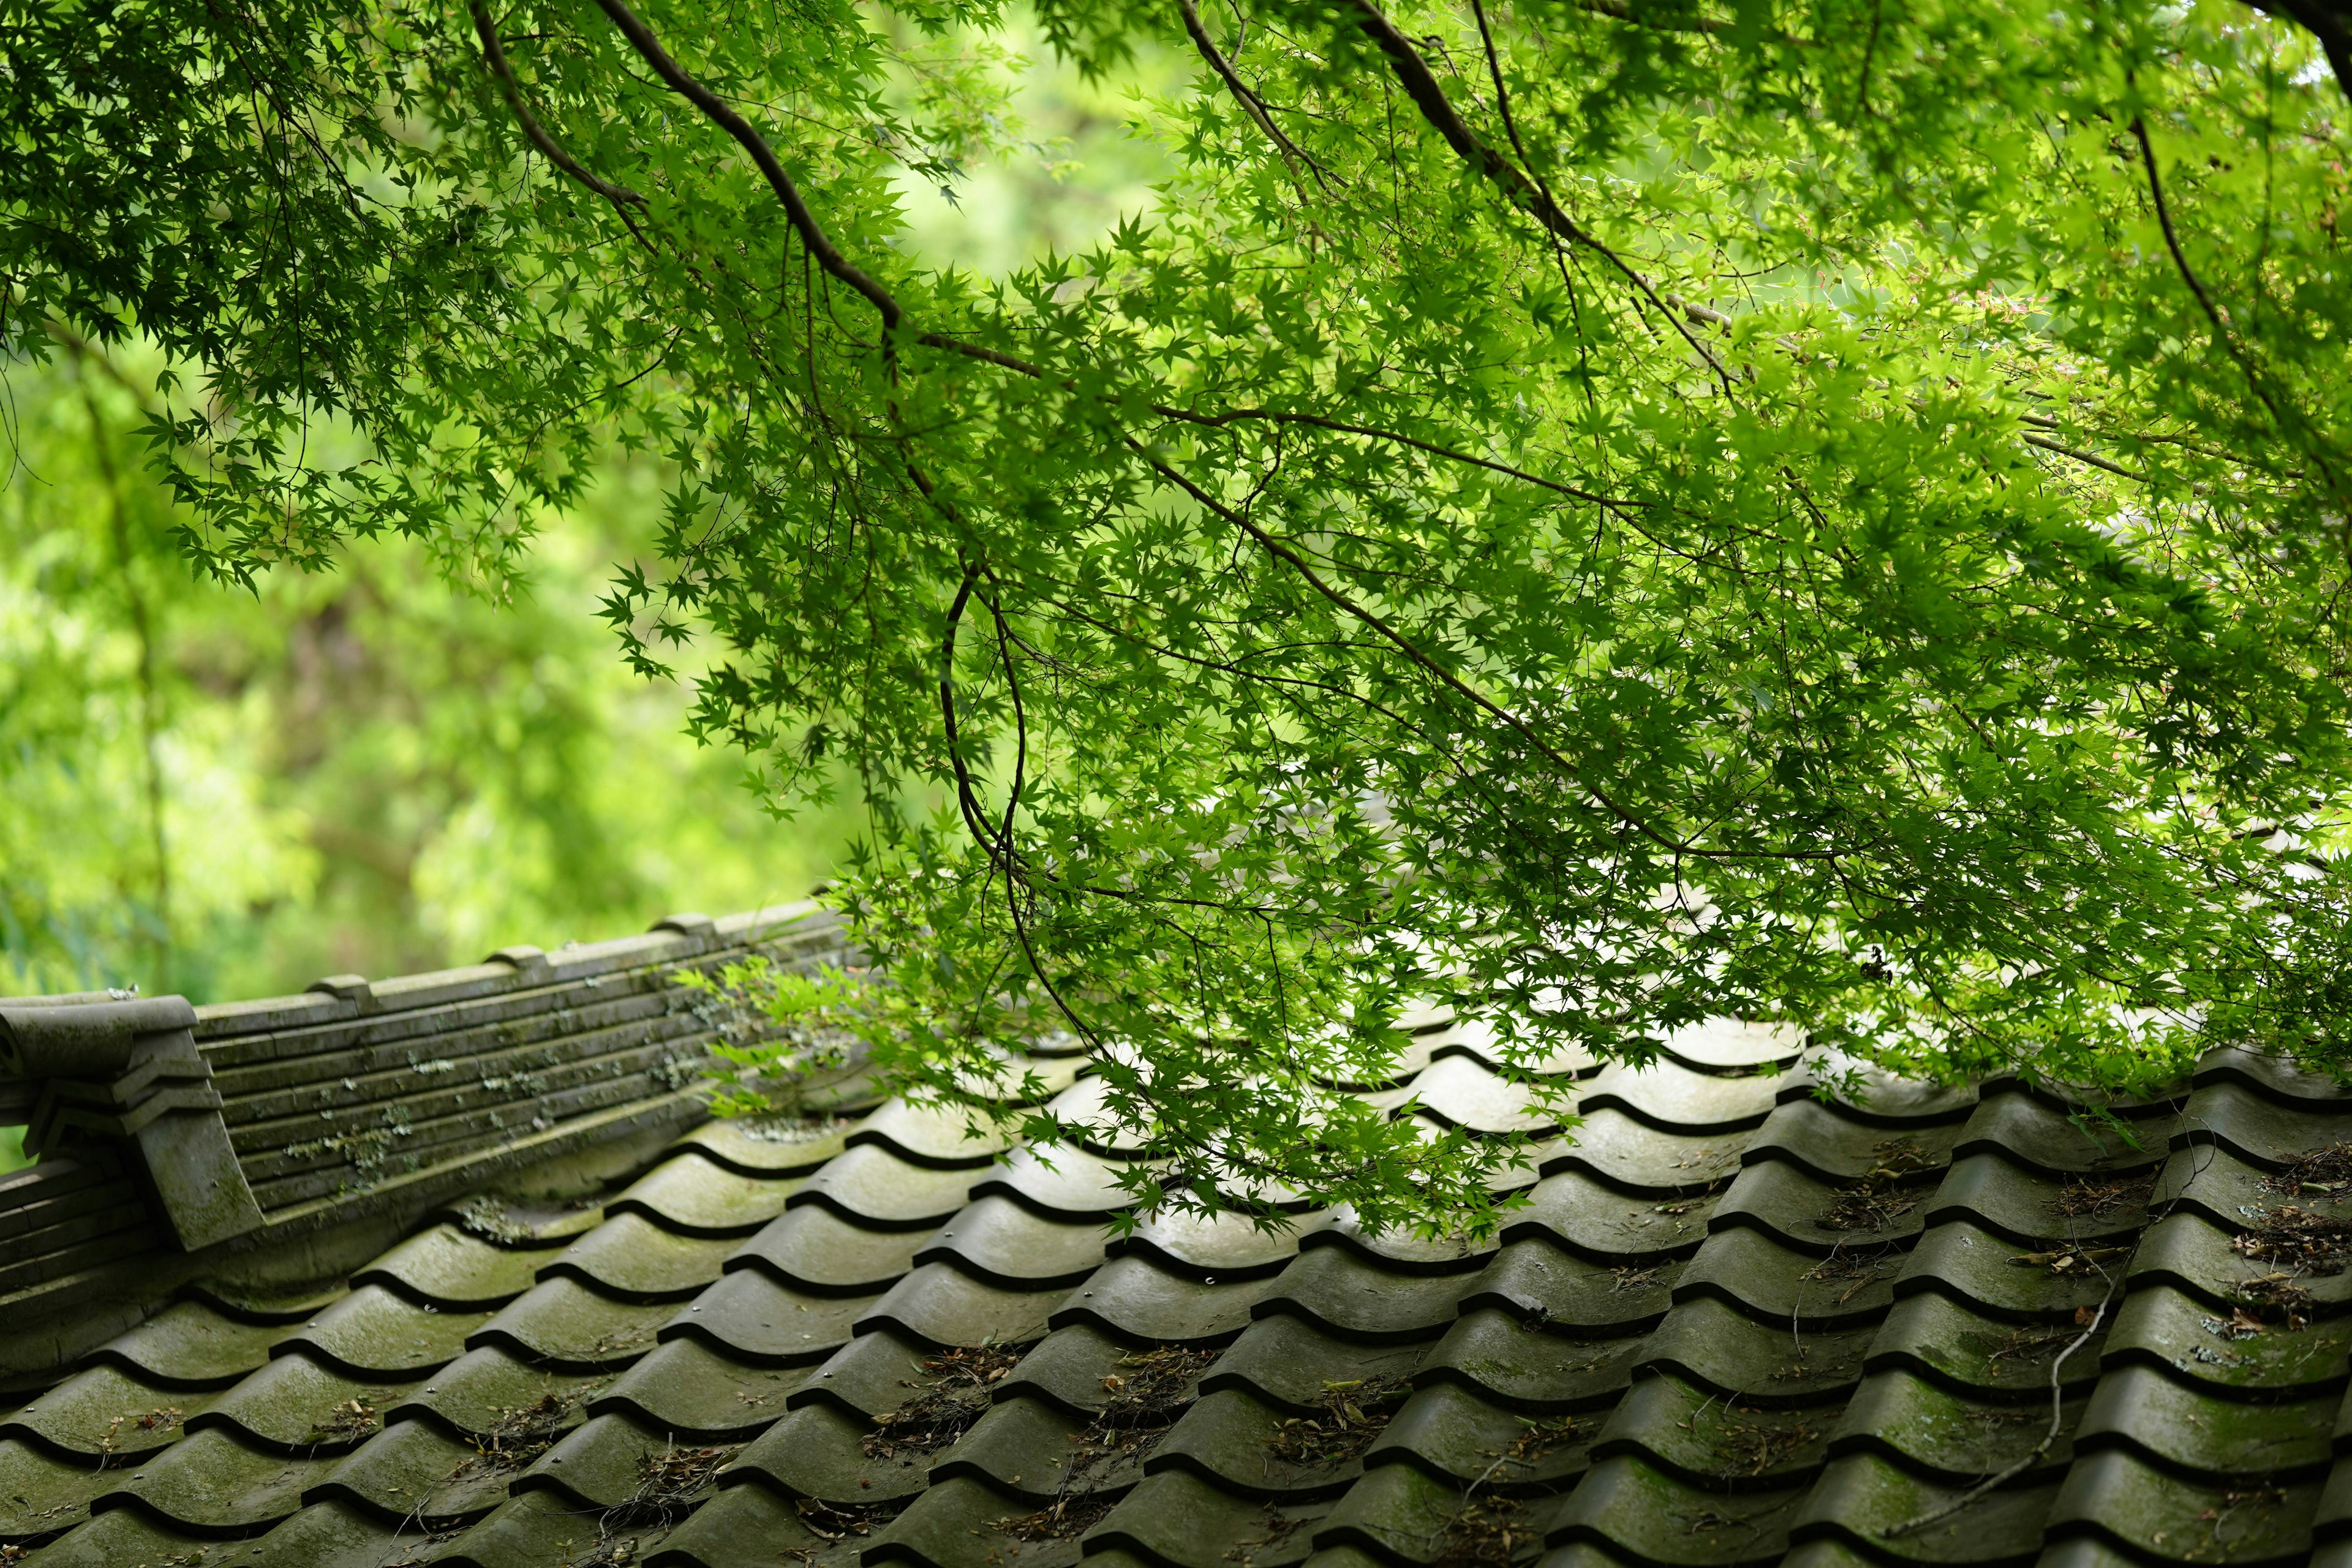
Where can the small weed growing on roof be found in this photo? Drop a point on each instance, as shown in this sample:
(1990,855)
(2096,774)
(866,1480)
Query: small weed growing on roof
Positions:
(348,1422)
(522,1433)
(165,1420)
(2072,1261)
(1628,1278)
(1486,1532)
(1148,1392)
(2323,1170)
(949,1400)
(1746,1446)
(2102,1199)
(485,1216)
(1881,1198)
(1064,1518)
(1278,1527)
(2277,1299)
(666,1481)
(1352,1415)
(834,1525)
(1857,1270)
(2310,1243)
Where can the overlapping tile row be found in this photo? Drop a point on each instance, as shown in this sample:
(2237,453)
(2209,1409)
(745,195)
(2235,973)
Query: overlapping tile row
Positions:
(358,1099)
(1733,1322)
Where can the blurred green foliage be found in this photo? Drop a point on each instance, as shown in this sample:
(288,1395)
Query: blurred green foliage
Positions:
(371,770)
(227,795)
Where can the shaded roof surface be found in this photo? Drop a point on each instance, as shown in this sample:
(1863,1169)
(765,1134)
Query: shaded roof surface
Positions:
(1734,1324)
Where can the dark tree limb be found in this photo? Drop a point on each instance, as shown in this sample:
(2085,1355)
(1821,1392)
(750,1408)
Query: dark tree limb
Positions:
(803,221)
(495,54)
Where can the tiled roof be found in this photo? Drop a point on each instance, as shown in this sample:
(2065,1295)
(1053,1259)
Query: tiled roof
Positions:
(1736,1324)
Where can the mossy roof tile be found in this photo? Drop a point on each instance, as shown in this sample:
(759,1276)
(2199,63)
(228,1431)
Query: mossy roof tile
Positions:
(1733,1323)
(691,1194)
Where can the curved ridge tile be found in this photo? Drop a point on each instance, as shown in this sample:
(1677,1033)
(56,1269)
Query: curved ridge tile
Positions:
(125,1535)
(2257,1130)
(1291,1362)
(929,1135)
(1947,1437)
(2165,1328)
(816,1250)
(1397,1517)
(294,1406)
(1751,1271)
(1870,1093)
(1673,1097)
(1515,1364)
(602,1463)
(743,1527)
(1987,1190)
(2205,1436)
(190,1345)
(1339,1290)
(562,1325)
(2229,1190)
(943,1306)
(1175,1520)
(1234,1442)
(1960,1259)
(1625,1506)
(372,1333)
(42,1495)
(1827,1142)
(1741,1046)
(1978,1355)
(1395,1251)
(1543,1283)
(959,1522)
(866,1379)
(1462,1091)
(2273,1077)
(1862,1498)
(1058,1180)
(1450,1434)
(414,1471)
(2192,1253)
(873,1188)
(483,1390)
(1142,1304)
(107,1413)
(452,1270)
(999,1243)
(747,1316)
(331,1535)
(2026,1132)
(1797,1210)
(213,1485)
(1027,1449)
(1626,1154)
(815,1452)
(1711,1441)
(692,1195)
(1225,1245)
(686,1388)
(632,1257)
(1601,1221)
(1728,1354)
(767,1148)
(2148,1513)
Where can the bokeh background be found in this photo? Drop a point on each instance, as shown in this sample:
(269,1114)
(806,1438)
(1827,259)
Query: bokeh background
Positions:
(228,794)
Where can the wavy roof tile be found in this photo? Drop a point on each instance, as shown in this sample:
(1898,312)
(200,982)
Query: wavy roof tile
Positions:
(1734,1323)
